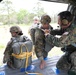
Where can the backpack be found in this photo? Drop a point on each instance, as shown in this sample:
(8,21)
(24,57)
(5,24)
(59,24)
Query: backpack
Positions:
(22,52)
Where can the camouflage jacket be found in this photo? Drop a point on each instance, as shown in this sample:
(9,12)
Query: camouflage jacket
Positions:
(32,31)
(40,43)
(66,38)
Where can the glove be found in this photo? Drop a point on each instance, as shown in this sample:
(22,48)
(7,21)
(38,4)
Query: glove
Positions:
(64,49)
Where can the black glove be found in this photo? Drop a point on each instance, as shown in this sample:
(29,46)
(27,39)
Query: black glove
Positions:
(69,48)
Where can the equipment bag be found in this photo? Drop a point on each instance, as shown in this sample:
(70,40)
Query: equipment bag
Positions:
(22,53)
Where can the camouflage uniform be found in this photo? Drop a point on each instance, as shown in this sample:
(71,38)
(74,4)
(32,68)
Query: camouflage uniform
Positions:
(66,40)
(41,46)
(72,71)
(32,31)
(8,50)
(64,62)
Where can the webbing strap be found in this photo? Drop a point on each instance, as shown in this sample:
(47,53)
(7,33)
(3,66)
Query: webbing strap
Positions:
(22,55)
(33,73)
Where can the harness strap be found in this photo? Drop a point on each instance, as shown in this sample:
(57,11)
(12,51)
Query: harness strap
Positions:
(33,73)
(22,55)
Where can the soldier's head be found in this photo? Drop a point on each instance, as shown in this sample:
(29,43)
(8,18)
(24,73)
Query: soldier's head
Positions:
(65,19)
(45,20)
(15,31)
(36,20)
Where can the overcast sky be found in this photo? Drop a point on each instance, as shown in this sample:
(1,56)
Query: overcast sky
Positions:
(49,7)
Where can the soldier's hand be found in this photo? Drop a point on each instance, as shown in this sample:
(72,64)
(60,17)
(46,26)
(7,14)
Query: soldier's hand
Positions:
(46,31)
(42,64)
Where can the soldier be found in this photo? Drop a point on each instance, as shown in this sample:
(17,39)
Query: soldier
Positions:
(33,27)
(64,20)
(41,46)
(66,41)
(16,34)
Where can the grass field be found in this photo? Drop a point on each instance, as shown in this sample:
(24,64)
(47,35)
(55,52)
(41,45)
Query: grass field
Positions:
(5,37)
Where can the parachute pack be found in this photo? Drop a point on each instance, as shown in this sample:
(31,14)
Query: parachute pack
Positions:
(22,52)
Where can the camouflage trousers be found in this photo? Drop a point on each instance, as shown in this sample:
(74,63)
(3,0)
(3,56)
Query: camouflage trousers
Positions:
(43,53)
(73,62)
(63,63)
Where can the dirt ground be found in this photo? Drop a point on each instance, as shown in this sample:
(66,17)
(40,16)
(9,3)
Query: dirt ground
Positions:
(5,37)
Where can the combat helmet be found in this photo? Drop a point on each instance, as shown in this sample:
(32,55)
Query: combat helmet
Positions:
(45,19)
(15,29)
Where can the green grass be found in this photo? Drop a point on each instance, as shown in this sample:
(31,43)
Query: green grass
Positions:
(2,46)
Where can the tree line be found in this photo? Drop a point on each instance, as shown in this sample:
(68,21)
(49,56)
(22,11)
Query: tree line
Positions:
(8,14)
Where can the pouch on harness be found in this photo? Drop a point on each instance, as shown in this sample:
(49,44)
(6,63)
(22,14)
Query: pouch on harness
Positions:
(22,52)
